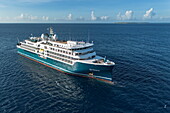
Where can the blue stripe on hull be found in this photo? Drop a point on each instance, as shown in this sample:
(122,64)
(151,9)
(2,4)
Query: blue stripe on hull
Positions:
(78,68)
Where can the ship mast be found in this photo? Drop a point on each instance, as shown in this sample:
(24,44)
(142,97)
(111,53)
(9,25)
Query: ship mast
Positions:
(52,35)
(51,31)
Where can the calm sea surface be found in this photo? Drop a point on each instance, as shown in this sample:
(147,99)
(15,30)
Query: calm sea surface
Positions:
(141,74)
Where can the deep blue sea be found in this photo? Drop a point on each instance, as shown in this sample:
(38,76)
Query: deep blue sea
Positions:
(141,75)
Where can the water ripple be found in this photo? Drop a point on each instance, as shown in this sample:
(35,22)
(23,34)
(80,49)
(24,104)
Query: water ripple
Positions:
(141,73)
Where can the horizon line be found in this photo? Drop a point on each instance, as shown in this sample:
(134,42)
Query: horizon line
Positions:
(85,23)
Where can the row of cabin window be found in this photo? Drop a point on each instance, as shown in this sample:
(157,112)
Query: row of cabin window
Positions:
(69,56)
(60,55)
(88,57)
(28,49)
(28,46)
(70,53)
(74,49)
(84,53)
(80,48)
(30,43)
(68,61)
(58,45)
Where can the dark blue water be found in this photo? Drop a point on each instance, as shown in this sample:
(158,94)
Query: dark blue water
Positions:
(141,74)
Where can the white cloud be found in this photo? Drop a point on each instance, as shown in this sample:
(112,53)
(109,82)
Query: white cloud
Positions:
(33,17)
(93,17)
(69,17)
(149,14)
(164,18)
(104,17)
(22,17)
(80,18)
(5,18)
(27,17)
(46,18)
(127,16)
(119,16)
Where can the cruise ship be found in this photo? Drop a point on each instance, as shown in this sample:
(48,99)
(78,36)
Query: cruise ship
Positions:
(70,57)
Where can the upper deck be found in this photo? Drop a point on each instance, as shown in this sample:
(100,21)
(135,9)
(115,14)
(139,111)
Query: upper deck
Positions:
(71,45)
(53,41)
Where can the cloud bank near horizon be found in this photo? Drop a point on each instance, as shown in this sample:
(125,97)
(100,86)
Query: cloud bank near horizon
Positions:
(127,16)
(83,11)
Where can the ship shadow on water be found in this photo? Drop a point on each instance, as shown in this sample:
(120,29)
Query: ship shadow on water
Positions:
(51,85)
(62,90)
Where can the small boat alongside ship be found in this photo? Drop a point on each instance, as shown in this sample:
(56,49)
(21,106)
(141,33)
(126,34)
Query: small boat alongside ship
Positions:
(71,57)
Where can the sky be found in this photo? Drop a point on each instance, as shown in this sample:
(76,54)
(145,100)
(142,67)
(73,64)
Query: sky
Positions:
(84,11)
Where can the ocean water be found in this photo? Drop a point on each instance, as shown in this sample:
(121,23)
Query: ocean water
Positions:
(141,75)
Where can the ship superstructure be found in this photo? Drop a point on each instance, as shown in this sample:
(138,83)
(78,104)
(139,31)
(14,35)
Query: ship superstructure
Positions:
(72,57)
